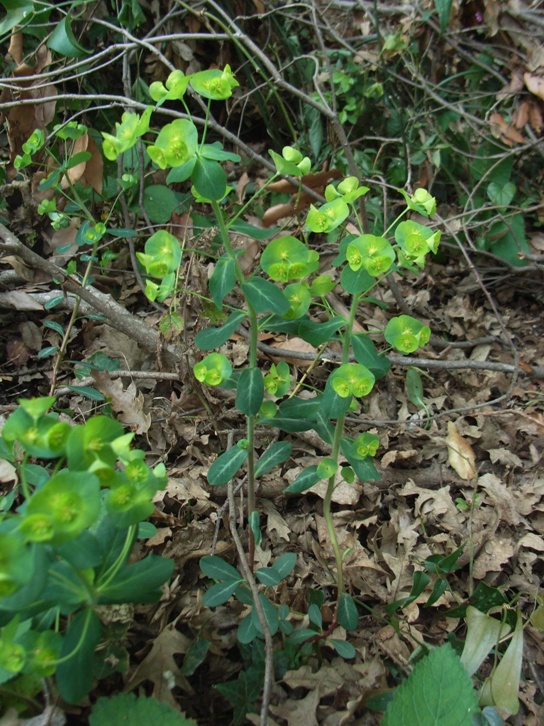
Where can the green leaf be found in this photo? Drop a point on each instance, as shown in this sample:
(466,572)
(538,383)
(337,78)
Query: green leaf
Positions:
(243,227)
(47,352)
(268,576)
(265,296)
(211,338)
(138,583)
(159,203)
(356,282)
(366,354)
(439,588)
(88,392)
(17,11)
(226,465)
(247,632)
(209,179)
(63,41)
(53,325)
(499,195)
(76,159)
(223,279)
(305,480)
(216,152)
(254,522)
(273,456)
(347,614)
(285,564)
(74,677)
(250,391)
(242,694)
(126,707)
(270,615)
(216,568)
(194,656)
(318,333)
(220,593)
(444,8)
(438,691)
(342,647)
(414,387)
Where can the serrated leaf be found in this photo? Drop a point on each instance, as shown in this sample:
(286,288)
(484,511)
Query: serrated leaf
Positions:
(217,569)
(264,296)
(250,391)
(273,456)
(226,465)
(211,338)
(438,691)
(135,710)
(347,614)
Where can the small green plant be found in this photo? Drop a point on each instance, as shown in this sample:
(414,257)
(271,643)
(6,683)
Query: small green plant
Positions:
(81,501)
(280,296)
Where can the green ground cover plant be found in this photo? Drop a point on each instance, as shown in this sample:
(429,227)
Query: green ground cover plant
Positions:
(79,487)
(66,534)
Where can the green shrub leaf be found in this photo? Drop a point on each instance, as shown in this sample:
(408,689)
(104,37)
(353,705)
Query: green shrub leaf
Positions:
(439,691)
(213,337)
(347,614)
(136,710)
(272,457)
(265,296)
(250,393)
(226,465)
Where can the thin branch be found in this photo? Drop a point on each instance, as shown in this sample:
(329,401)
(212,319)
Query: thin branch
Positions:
(248,575)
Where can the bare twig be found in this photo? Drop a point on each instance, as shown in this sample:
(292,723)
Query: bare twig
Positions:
(247,573)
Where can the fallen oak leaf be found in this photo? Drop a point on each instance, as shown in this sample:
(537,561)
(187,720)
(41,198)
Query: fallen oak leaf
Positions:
(460,454)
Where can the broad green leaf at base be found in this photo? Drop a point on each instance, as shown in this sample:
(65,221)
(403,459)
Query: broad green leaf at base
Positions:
(439,692)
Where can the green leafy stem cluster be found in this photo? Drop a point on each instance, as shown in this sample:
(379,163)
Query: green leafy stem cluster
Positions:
(278,297)
(66,533)
(287,293)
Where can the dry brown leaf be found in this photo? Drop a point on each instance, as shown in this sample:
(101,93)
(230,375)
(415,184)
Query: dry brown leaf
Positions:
(160,668)
(534,84)
(129,403)
(460,454)
(298,345)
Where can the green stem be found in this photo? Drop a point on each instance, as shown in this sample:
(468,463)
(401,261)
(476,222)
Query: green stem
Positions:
(338,433)
(253,341)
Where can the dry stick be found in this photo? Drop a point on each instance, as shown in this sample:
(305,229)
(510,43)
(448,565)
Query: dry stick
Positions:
(116,314)
(119,318)
(246,571)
